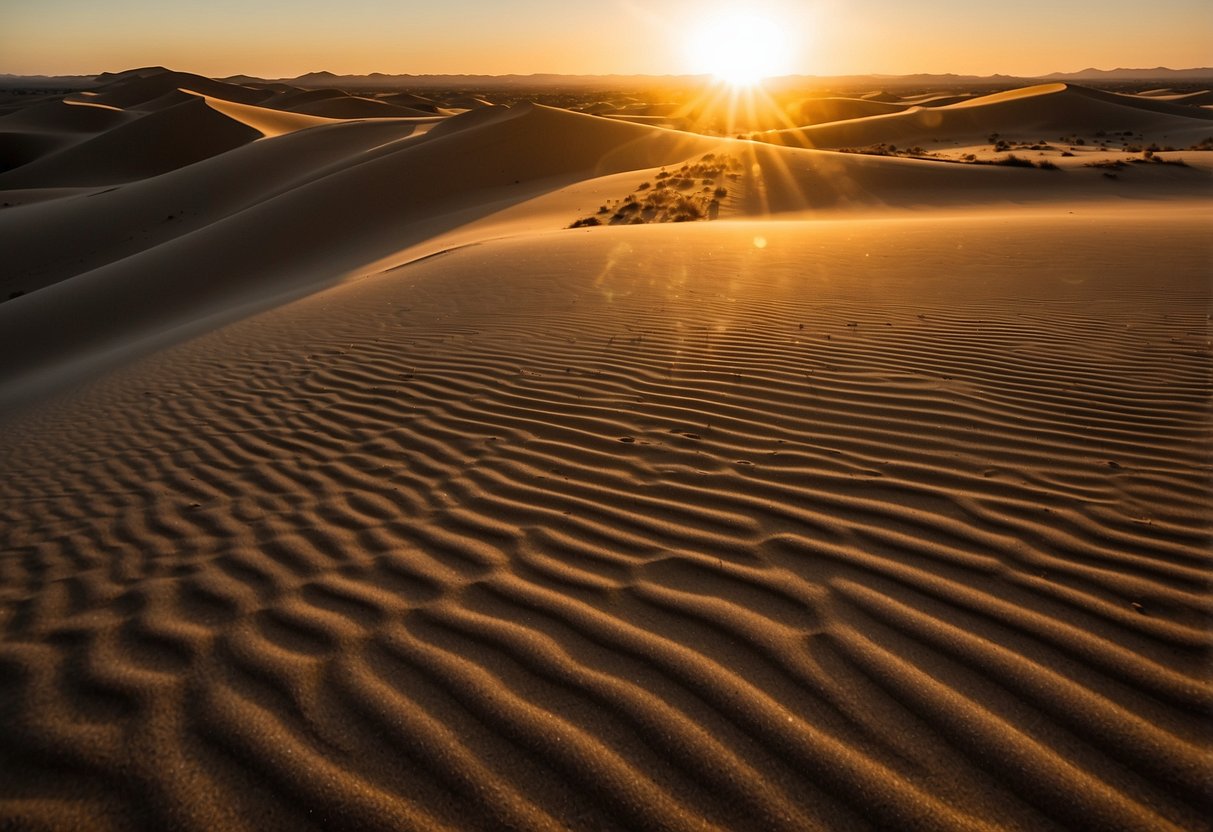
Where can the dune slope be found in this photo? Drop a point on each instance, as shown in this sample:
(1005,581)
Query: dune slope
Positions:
(317,232)
(756,525)
(157,142)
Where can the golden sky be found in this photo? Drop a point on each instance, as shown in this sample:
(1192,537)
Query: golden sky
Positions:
(284,38)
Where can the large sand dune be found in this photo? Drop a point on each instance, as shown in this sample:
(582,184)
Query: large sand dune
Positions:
(1043,112)
(347,487)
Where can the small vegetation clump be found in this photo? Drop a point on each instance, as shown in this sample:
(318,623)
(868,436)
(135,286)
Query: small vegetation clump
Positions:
(883,149)
(692,192)
(1012,161)
(1111,164)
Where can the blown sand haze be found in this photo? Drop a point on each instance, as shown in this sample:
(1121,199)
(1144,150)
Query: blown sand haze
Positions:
(346,486)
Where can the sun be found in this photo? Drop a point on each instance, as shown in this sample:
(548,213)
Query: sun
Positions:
(740,49)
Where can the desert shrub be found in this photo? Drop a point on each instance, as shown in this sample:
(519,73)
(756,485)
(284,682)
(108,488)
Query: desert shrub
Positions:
(602,209)
(1045,164)
(1066,153)
(643,186)
(720,193)
(663,175)
(586,223)
(1013,161)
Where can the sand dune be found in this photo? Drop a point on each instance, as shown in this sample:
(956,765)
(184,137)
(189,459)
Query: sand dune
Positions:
(155,143)
(66,116)
(346,486)
(821,110)
(377,204)
(289,98)
(140,91)
(520,536)
(268,122)
(42,129)
(1043,111)
(148,122)
(357,107)
(523,167)
(411,100)
(116,223)
(1199,98)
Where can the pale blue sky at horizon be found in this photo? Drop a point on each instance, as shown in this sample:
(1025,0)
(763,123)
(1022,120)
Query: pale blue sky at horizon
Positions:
(284,38)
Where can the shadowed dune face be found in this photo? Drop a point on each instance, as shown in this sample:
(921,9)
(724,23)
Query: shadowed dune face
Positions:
(149,122)
(660,528)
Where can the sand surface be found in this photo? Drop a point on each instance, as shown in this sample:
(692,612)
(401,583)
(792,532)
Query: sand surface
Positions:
(363,493)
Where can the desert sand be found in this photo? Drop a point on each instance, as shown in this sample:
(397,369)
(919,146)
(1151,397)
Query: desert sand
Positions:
(347,485)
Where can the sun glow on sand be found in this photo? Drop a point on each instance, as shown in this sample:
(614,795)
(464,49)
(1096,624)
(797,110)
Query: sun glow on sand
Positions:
(739,48)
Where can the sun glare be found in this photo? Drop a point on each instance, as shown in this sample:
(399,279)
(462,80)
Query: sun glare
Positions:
(739,49)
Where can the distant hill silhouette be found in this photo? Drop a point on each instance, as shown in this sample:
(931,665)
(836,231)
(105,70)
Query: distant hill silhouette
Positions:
(1159,73)
(385,82)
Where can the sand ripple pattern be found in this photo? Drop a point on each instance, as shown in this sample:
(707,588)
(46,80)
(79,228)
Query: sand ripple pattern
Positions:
(709,536)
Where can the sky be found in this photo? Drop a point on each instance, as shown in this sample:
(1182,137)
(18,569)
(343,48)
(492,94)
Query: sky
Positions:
(285,38)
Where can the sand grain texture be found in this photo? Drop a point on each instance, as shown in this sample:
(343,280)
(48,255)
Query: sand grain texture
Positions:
(793,536)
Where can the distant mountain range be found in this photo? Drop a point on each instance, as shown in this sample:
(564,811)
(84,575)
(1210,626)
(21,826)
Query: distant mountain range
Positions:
(381,81)
(1158,73)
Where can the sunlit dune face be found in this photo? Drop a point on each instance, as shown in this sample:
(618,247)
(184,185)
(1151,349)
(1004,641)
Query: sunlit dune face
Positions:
(740,49)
